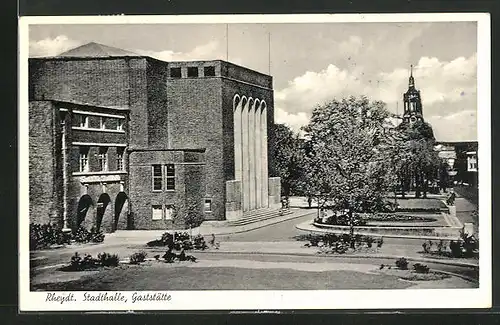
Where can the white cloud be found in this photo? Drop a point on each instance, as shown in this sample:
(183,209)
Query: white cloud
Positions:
(463,126)
(447,87)
(294,121)
(52,46)
(201,52)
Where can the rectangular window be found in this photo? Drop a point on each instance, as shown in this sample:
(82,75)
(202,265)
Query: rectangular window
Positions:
(170,177)
(208,205)
(192,72)
(102,123)
(84,159)
(175,72)
(119,125)
(82,120)
(102,159)
(157,212)
(119,159)
(209,71)
(157,178)
(169,209)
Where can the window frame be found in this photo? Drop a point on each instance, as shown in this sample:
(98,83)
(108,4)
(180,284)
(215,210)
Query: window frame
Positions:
(169,177)
(156,207)
(175,69)
(102,156)
(83,156)
(119,125)
(209,200)
(154,177)
(211,70)
(193,72)
(120,162)
(102,122)
(169,207)
(83,120)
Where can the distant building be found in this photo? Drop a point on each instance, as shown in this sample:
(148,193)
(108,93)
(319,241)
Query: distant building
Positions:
(465,162)
(123,141)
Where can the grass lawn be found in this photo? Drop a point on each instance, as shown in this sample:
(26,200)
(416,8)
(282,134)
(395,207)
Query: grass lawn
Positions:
(414,203)
(168,277)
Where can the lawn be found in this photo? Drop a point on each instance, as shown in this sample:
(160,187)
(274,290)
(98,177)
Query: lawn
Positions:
(168,277)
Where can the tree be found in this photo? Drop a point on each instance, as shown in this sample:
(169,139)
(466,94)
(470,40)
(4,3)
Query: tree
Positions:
(348,146)
(422,162)
(289,158)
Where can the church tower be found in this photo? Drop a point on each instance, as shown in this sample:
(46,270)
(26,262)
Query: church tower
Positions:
(412,102)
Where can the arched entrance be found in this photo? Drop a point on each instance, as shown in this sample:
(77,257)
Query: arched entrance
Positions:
(85,212)
(121,212)
(103,214)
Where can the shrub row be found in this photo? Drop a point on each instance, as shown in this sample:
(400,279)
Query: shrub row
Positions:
(466,247)
(402,264)
(87,262)
(45,235)
(179,240)
(341,243)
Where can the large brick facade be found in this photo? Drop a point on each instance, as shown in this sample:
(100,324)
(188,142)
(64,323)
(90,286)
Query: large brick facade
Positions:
(178,114)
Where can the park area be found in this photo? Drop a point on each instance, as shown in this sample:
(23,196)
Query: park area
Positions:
(273,256)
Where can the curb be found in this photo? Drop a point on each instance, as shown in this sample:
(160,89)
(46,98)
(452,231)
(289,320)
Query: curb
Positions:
(416,259)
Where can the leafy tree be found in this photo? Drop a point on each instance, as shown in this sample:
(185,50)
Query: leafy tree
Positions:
(348,146)
(289,160)
(187,214)
(422,162)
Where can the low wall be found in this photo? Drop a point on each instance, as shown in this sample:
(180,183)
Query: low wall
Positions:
(449,233)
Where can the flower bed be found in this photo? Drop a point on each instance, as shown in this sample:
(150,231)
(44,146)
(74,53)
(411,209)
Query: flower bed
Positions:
(394,217)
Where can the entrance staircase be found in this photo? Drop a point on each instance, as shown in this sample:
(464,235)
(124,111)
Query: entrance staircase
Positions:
(258,215)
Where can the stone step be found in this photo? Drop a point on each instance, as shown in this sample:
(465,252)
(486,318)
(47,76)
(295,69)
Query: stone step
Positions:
(248,219)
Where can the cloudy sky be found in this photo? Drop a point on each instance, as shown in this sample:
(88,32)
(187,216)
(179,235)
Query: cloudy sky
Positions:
(312,63)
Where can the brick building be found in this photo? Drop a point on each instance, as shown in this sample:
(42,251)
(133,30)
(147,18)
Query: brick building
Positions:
(123,141)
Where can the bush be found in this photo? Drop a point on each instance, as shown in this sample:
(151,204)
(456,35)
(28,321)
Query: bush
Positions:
(420,268)
(82,235)
(178,241)
(45,235)
(369,241)
(402,263)
(87,262)
(138,258)
(199,242)
(106,259)
(380,242)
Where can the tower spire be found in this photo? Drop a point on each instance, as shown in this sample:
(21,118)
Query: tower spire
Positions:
(411,81)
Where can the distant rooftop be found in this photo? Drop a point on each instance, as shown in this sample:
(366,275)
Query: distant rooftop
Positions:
(96,50)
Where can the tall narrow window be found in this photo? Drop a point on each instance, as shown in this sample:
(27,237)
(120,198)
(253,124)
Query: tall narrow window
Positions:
(82,120)
(169,210)
(157,212)
(119,125)
(119,159)
(157,178)
(208,205)
(170,177)
(102,159)
(102,123)
(84,159)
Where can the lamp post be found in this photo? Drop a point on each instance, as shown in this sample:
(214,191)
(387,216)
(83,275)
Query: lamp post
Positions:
(66,227)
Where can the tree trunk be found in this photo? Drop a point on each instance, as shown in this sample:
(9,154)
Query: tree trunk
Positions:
(425,181)
(351,229)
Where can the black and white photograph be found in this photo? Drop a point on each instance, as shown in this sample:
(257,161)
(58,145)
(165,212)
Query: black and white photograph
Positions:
(254,162)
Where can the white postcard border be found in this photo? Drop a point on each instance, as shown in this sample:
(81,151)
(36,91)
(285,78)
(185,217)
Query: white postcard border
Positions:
(273,300)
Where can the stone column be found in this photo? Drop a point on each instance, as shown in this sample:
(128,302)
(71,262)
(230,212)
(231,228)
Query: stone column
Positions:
(265,177)
(237,142)
(251,154)
(258,155)
(245,156)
